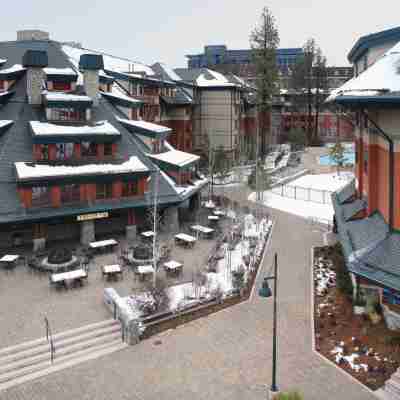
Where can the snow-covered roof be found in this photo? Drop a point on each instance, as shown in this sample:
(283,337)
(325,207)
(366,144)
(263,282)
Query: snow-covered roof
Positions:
(13,69)
(176,157)
(29,171)
(382,77)
(103,74)
(118,94)
(2,61)
(57,96)
(148,126)
(170,72)
(60,71)
(46,128)
(5,122)
(217,80)
(113,63)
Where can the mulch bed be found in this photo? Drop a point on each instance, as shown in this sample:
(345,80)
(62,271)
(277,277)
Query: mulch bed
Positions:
(353,342)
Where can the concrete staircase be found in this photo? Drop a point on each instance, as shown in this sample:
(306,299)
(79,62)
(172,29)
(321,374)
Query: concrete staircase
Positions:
(31,360)
(391,390)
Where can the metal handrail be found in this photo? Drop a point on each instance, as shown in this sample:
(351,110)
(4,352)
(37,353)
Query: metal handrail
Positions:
(49,338)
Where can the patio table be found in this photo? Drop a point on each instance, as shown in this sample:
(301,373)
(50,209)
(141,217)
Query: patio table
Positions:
(9,260)
(103,244)
(185,239)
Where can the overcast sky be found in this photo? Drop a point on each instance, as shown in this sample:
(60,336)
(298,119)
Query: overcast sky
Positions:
(150,31)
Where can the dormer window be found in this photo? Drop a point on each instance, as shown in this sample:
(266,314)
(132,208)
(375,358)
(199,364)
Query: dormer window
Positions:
(62,86)
(66,114)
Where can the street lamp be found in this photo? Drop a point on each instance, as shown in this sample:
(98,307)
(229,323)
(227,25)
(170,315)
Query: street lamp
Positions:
(265,291)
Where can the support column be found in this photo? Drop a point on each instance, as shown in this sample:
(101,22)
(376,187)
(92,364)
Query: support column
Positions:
(171,219)
(131,227)
(87,232)
(39,237)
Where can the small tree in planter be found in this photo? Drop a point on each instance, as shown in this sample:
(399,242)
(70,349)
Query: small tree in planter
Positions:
(238,281)
(159,293)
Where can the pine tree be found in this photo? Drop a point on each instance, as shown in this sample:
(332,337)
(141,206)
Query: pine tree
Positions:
(264,40)
(336,153)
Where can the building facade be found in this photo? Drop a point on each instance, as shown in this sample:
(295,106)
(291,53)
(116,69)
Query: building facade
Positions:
(366,211)
(78,155)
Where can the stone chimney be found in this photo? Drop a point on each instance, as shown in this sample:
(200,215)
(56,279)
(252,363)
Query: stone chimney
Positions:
(34,61)
(32,34)
(90,65)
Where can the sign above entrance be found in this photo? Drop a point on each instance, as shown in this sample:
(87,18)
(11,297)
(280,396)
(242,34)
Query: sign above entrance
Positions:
(88,217)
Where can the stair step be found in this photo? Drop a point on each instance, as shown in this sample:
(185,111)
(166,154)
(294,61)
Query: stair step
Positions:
(60,335)
(392,389)
(8,376)
(65,363)
(30,361)
(60,343)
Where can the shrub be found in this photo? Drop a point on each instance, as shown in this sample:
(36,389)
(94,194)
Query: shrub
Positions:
(343,280)
(294,395)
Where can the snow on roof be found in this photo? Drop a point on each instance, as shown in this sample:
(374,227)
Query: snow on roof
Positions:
(27,171)
(116,91)
(59,71)
(149,126)
(218,80)
(4,93)
(14,68)
(5,122)
(57,96)
(176,157)
(381,77)
(100,128)
(102,73)
(170,72)
(113,63)
(3,60)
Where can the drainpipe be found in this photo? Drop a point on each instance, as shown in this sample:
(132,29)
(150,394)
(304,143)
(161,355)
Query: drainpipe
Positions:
(391,168)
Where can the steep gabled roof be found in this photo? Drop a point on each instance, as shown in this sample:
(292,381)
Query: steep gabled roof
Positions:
(373,39)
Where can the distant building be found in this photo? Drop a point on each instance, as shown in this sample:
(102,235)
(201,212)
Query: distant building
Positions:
(240,60)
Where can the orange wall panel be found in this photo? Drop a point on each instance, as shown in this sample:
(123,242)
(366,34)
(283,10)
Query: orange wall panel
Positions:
(55,194)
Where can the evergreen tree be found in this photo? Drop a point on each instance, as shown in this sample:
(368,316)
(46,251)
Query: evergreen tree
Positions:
(264,40)
(336,153)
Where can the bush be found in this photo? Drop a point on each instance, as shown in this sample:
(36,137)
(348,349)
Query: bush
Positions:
(289,396)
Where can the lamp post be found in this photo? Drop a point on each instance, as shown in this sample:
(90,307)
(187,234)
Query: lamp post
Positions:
(265,291)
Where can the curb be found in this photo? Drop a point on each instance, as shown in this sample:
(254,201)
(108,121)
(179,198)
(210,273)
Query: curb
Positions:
(266,247)
(322,357)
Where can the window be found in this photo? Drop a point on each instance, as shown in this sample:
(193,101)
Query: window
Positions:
(88,149)
(103,191)
(108,149)
(64,151)
(1,85)
(67,114)
(41,196)
(62,86)
(70,193)
(366,161)
(129,189)
(45,151)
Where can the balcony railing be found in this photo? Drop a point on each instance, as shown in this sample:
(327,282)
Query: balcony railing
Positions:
(84,160)
(148,99)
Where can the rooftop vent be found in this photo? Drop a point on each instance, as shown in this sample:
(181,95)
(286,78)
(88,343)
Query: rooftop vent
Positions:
(91,62)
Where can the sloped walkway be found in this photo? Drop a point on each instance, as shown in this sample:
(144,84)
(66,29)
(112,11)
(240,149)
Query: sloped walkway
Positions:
(224,356)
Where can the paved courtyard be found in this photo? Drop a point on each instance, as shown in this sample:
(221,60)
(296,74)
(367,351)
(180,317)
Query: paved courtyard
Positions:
(224,356)
(26,296)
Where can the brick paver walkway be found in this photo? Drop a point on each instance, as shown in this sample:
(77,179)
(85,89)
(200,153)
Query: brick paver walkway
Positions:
(224,356)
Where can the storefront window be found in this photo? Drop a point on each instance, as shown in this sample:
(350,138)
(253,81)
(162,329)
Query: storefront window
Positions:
(129,189)
(108,149)
(64,151)
(67,114)
(103,191)
(41,196)
(88,149)
(70,193)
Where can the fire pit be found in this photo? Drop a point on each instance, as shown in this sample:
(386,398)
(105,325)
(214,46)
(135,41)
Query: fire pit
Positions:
(60,259)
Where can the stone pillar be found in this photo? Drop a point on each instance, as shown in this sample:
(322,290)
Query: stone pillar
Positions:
(87,232)
(131,233)
(39,244)
(171,220)
(34,79)
(91,84)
